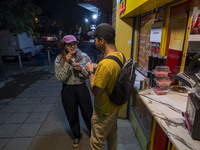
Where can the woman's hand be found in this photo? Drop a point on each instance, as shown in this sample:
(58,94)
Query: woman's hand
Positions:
(76,66)
(68,56)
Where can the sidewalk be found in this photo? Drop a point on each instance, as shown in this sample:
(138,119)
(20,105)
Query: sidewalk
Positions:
(35,120)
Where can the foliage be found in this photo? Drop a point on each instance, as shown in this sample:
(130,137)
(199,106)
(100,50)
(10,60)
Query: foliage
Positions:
(18,15)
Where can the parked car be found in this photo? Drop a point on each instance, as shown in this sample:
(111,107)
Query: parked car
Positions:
(13,45)
(52,46)
(51,37)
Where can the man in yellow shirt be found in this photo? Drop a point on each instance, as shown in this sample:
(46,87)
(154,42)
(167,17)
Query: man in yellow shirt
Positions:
(104,119)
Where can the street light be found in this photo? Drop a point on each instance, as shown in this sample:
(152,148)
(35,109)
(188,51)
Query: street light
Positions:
(36,20)
(94,16)
(86,20)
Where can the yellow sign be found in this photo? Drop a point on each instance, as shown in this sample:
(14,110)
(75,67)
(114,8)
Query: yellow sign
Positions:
(178,32)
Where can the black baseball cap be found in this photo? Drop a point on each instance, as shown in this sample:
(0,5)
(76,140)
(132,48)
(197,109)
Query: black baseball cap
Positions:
(104,30)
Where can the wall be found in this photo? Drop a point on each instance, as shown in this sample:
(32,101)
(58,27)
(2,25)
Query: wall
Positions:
(114,13)
(124,31)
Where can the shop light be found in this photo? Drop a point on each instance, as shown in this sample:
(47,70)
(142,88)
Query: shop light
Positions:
(94,16)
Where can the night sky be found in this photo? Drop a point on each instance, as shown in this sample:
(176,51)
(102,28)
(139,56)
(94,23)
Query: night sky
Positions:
(66,11)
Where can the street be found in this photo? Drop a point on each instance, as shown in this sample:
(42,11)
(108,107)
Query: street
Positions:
(32,116)
(18,79)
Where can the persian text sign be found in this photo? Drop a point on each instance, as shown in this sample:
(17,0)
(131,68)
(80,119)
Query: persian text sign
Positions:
(122,7)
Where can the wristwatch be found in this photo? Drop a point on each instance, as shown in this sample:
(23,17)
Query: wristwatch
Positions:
(91,72)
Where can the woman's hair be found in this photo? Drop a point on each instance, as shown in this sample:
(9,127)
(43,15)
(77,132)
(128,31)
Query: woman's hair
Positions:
(63,53)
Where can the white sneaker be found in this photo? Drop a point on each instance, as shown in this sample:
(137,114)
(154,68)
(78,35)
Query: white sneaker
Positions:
(76,142)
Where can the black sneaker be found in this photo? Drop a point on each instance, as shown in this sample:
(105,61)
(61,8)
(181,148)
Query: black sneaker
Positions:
(76,142)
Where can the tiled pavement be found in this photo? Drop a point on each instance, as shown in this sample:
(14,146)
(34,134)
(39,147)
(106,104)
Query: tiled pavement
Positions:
(35,120)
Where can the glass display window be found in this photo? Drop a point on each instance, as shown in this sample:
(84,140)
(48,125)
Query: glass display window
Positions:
(145,45)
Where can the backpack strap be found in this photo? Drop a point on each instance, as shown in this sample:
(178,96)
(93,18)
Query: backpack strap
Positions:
(124,58)
(117,59)
(107,92)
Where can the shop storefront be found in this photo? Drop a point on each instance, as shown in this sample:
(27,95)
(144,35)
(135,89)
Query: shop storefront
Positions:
(160,33)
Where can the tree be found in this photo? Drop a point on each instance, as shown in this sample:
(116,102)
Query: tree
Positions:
(18,15)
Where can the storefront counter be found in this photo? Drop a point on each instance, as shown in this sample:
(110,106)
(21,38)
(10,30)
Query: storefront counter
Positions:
(167,111)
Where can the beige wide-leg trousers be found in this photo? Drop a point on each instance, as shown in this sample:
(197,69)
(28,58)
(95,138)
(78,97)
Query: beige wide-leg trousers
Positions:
(104,128)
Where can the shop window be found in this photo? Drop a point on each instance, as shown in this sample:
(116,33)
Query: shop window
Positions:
(147,47)
(192,61)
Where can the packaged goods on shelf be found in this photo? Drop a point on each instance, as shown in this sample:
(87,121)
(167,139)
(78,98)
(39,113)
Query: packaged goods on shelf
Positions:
(161,71)
(162,80)
(161,90)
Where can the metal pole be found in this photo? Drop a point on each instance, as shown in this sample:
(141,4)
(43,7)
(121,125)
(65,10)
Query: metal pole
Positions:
(48,55)
(2,70)
(20,62)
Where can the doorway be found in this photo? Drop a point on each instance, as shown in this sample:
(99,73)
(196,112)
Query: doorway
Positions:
(176,37)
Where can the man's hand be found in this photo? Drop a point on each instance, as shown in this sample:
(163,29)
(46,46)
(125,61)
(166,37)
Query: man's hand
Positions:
(89,67)
(94,66)
(95,90)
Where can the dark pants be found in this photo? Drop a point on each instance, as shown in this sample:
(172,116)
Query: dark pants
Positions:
(72,97)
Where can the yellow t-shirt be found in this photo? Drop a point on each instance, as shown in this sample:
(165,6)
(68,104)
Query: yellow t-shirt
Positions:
(106,76)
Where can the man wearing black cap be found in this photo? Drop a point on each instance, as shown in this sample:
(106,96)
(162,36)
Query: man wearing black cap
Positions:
(104,119)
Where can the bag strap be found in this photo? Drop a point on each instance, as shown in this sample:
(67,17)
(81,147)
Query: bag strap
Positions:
(120,64)
(107,92)
(117,59)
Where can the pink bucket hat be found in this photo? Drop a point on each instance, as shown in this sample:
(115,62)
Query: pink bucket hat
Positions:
(69,39)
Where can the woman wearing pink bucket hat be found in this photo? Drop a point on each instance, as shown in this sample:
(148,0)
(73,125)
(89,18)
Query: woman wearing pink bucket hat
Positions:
(70,70)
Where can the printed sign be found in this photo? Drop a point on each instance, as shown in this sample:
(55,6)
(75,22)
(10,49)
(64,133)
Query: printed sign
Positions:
(178,32)
(122,7)
(156,35)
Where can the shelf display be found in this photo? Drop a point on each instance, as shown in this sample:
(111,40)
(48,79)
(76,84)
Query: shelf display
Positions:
(161,90)
(147,47)
(162,80)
